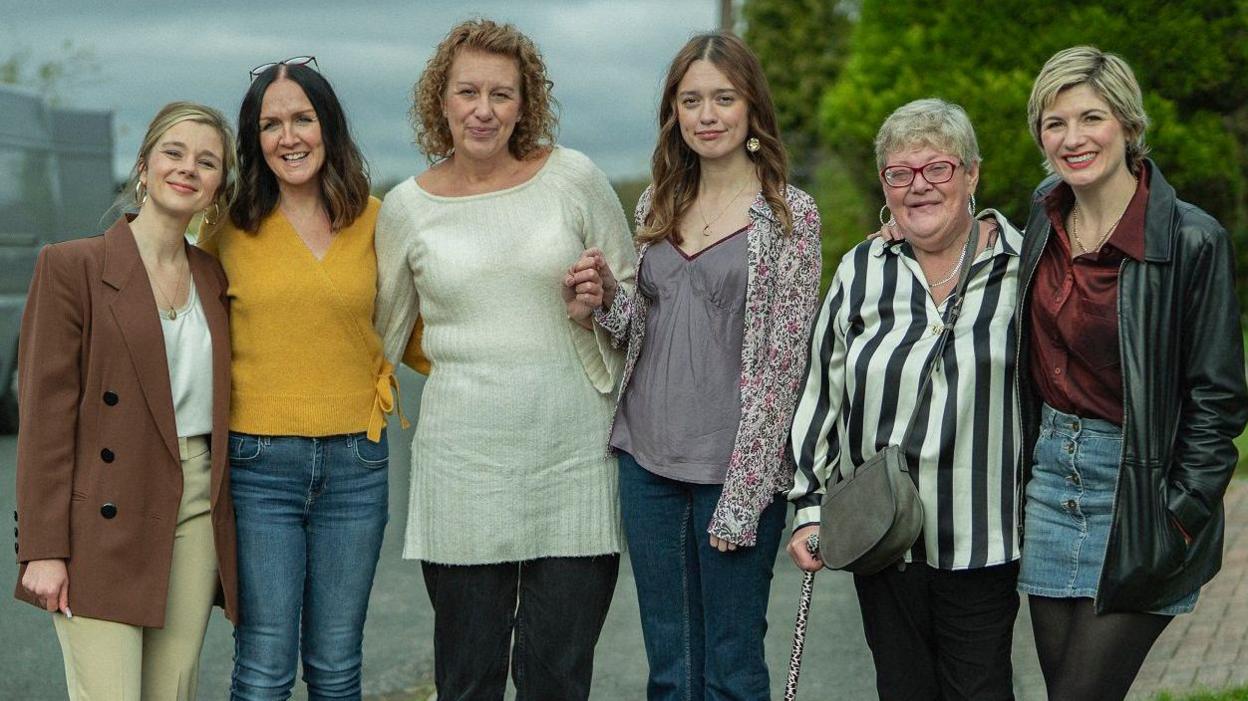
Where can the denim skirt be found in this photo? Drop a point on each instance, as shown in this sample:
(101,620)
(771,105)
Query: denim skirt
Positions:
(1069,506)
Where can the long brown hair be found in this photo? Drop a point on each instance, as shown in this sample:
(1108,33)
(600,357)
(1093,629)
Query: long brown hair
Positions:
(675,169)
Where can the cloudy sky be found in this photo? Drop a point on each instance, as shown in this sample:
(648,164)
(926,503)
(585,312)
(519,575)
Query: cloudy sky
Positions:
(606,58)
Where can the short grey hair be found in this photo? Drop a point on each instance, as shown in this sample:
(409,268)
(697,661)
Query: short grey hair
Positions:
(931,122)
(1109,77)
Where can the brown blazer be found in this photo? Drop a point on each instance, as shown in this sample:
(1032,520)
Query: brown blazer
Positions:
(99,479)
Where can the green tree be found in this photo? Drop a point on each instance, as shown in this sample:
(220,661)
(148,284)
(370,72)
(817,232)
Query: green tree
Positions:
(1190,57)
(803,45)
(804,42)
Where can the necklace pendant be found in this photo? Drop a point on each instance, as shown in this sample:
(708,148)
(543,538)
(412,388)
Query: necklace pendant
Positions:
(173,314)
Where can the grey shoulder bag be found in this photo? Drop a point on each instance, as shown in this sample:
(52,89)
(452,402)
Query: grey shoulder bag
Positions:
(872,516)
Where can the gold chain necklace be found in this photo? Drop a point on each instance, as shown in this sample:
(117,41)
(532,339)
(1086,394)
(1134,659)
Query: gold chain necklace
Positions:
(177,290)
(1074,227)
(706,230)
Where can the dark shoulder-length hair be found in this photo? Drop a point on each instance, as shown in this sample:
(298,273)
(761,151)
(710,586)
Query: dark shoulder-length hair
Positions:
(675,169)
(344,176)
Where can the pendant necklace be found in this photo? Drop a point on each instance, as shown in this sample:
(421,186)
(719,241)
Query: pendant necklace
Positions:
(173,312)
(706,230)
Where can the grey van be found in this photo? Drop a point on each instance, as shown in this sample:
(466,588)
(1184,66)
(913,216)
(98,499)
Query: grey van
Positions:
(56,183)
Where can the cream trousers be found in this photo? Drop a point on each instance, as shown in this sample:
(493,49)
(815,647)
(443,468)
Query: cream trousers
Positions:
(109,661)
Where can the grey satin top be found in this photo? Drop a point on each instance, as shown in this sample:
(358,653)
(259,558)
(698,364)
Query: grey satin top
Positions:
(680,412)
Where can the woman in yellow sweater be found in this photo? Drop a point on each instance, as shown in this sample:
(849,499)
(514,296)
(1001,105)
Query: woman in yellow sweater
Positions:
(311,388)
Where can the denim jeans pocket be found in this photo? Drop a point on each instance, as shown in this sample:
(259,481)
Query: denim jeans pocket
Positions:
(372,454)
(244,447)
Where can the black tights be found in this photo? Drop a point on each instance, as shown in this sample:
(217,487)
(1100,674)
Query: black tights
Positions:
(1086,656)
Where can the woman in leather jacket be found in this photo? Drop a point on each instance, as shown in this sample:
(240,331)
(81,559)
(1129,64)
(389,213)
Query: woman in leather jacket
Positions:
(1131,364)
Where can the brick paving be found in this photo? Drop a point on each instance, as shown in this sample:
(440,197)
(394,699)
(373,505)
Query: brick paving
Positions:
(1208,649)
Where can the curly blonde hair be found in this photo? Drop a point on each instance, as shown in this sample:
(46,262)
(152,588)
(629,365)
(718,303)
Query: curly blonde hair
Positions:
(538,122)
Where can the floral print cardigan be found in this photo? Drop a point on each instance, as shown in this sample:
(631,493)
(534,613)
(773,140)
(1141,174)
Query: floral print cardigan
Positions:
(782,294)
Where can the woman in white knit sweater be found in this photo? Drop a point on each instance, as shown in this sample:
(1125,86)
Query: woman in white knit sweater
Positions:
(513,498)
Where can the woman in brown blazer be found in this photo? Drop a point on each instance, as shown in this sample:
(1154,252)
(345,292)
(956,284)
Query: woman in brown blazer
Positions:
(125,526)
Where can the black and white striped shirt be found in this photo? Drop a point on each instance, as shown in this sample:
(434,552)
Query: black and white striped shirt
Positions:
(874,335)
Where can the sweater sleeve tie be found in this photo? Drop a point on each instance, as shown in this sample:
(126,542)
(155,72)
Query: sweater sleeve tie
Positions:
(386,402)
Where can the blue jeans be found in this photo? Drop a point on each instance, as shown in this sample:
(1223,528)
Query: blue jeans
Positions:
(311,513)
(703,612)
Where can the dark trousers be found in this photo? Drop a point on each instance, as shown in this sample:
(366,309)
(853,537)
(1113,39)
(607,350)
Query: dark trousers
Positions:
(555,606)
(940,634)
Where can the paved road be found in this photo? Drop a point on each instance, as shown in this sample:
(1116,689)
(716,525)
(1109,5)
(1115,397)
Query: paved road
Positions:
(399,652)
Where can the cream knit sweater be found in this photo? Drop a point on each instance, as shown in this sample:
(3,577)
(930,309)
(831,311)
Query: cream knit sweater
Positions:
(507,459)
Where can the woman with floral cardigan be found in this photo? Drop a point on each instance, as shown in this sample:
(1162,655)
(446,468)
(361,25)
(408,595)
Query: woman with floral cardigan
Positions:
(728,276)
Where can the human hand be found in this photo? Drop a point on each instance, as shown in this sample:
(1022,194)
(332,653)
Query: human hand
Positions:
(800,553)
(609,284)
(724,546)
(582,290)
(48,580)
(888,232)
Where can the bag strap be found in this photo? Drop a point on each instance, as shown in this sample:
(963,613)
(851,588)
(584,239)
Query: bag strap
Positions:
(952,309)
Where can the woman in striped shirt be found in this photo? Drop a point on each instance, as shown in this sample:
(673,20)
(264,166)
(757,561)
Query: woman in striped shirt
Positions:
(939,624)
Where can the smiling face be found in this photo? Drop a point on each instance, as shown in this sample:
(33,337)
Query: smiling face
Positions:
(290,135)
(482,104)
(931,217)
(183,172)
(1085,144)
(714,117)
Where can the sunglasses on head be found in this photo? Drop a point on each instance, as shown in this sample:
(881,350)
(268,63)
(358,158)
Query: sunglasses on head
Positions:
(292,61)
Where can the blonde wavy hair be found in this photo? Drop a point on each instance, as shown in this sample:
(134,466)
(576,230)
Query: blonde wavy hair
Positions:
(176,113)
(1110,77)
(538,122)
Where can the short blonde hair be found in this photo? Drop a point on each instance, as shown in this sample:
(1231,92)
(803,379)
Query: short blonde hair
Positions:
(538,122)
(175,113)
(931,122)
(1109,76)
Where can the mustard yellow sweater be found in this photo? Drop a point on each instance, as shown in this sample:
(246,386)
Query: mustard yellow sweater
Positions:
(307,360)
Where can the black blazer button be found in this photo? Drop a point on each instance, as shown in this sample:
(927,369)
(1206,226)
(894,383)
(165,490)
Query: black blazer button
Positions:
(108,510)
(110,398)
(107,455)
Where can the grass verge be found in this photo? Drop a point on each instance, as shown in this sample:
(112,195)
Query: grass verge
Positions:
(1237,694)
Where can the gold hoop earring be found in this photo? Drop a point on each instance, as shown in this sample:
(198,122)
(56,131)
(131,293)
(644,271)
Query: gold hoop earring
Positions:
(752,144)
(140,193)
(212,214)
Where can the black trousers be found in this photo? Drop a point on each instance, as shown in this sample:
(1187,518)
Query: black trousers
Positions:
(940,634)
(555,607)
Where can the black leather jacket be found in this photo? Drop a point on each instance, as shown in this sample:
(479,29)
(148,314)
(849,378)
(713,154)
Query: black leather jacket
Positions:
(1184,399)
